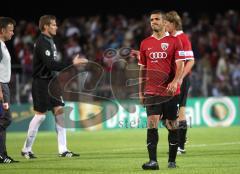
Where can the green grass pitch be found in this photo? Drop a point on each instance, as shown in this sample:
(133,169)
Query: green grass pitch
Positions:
(209,150)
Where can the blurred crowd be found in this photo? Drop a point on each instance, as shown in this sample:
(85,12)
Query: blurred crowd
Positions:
(215,41)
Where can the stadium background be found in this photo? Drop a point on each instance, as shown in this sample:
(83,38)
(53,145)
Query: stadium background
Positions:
(90,29)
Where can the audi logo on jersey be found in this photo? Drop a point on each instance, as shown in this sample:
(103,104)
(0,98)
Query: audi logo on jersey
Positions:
(158,55)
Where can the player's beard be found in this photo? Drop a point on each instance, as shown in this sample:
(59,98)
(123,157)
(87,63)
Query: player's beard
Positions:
(157,28)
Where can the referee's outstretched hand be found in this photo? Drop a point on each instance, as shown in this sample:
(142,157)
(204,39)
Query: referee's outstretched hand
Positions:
(77,60)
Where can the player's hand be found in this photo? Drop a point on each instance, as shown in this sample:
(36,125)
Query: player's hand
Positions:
(5,106)
(77,60)
(172,87)
(135,54)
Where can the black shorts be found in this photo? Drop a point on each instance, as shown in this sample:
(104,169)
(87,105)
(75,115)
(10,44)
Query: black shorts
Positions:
(167,107)
(184,91)
(42,101)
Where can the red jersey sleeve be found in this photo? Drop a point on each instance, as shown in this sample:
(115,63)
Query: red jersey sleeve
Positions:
(179,52)
(187,46)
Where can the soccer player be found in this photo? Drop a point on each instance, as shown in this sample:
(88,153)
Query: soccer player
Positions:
(44,66)
(161,65)
(174,27)
(6,32)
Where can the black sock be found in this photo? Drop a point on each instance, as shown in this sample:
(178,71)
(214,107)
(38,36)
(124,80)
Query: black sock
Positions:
(3,143)
(173,145)
(5,149)
(182,131)
(152,141)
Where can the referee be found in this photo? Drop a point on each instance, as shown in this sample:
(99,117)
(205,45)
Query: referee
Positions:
(44,66)
(6,32)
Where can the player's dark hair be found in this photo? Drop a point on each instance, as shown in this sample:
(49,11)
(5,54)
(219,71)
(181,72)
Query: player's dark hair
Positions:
(45,20)
(157,12)
(5,21)
(174,18)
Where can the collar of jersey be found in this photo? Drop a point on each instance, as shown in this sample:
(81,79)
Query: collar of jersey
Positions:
(178,33)
(44,35)
(165,34)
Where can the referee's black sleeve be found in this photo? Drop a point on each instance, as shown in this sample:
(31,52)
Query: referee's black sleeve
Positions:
(48,58)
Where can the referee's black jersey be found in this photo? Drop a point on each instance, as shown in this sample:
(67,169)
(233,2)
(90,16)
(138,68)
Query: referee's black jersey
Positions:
(44,58)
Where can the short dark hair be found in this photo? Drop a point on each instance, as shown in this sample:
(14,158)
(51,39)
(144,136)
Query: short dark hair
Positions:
(157,12)
(45,20)
(5,21)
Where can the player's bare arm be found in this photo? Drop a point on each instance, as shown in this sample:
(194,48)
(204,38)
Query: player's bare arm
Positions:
(172,86)
(142,76)
(187,68)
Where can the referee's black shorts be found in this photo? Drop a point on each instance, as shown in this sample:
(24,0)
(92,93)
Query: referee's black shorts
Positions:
(167,107)
(42,101)
(184,91)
